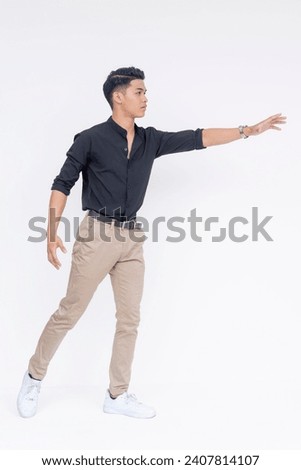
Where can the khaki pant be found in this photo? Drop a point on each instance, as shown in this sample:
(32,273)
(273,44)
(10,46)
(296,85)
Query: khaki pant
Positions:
(100,250)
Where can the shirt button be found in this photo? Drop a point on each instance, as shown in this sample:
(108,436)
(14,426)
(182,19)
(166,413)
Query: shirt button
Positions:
(125,149)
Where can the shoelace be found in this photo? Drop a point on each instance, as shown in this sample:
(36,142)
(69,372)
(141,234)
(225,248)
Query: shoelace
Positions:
(33,391)
(131,397)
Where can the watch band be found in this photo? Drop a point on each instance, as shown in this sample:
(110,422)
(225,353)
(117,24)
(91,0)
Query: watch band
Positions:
(241,131)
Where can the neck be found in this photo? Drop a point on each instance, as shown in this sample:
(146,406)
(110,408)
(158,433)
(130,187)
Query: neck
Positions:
(124,121)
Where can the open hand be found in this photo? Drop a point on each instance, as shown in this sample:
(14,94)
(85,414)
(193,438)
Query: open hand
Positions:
(272,122)
(51,251)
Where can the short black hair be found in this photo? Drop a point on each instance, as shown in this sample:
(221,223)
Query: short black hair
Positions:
(120,78)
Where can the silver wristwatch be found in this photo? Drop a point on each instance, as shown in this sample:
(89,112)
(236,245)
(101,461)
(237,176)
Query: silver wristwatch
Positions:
(241,131)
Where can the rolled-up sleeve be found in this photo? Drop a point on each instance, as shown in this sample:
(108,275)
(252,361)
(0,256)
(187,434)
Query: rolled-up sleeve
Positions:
(77,157)
(175,142)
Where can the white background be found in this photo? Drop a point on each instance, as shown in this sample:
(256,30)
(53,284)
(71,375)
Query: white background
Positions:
(218,352)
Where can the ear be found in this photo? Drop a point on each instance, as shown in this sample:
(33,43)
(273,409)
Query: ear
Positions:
(117,97)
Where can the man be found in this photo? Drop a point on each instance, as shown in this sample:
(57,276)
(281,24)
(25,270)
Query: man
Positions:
(115,159)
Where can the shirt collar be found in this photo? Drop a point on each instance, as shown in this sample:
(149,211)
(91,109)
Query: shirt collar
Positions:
(118,128)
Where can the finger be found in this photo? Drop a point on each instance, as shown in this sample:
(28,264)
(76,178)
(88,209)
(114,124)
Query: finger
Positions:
(56,261)
(53,259)
(60,244)
(63,248)
(280,119)
(56,265)
(275,116)
(278,123)
(281,123)
(276,128)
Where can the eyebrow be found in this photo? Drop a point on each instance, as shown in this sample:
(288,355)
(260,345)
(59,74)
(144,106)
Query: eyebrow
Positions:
(142,89)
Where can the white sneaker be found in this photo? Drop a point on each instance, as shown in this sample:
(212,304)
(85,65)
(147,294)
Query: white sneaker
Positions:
(27,402)
(128,405)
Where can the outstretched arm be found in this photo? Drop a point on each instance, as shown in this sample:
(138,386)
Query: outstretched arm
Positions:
(224,136)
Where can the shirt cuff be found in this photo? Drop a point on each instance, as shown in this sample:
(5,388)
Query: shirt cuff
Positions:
(61,188)
(199,139)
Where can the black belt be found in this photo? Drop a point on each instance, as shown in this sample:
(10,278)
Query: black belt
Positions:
(129,224)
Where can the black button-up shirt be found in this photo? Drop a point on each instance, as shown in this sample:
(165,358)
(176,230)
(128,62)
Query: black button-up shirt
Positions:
(114,184)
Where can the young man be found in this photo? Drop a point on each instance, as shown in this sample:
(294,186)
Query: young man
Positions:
(115,158)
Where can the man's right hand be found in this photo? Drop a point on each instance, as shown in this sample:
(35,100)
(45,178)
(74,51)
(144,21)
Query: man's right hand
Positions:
(51,251)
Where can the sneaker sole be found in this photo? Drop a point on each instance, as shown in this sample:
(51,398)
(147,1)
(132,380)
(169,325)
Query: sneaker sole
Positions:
(115,412)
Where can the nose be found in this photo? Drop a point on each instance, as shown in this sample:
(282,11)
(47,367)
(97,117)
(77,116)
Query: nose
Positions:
(145,99)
